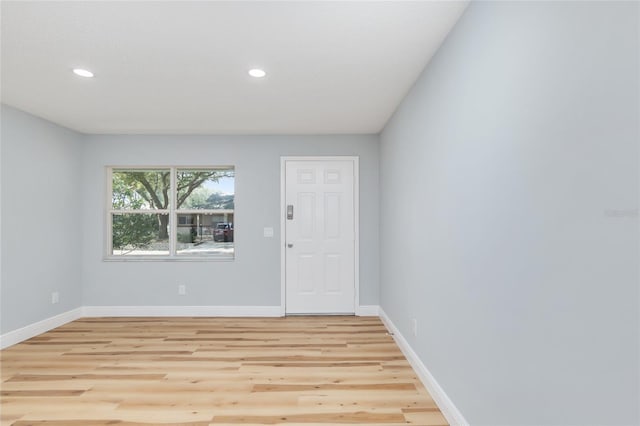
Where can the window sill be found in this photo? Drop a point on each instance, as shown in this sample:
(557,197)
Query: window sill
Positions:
(169,259)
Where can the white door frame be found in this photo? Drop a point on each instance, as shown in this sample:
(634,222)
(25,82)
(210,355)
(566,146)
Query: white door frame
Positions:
(356,223)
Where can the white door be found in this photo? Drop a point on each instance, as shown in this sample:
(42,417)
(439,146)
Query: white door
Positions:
(319,236)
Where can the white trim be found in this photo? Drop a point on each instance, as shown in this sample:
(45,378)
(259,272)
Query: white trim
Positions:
(204,212)
(356,223)
(283,236)
(21,334)
(449,410)
(108,204)
(367,310)
(356,232)
(181,311)
(27,332)
(173,215)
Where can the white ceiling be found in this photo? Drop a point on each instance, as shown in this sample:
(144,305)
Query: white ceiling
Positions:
(181,66)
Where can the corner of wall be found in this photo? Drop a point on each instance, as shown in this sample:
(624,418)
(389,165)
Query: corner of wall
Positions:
(446,405)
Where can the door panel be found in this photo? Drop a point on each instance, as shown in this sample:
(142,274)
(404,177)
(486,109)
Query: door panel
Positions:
(306,285)
(332,273)
(332,216)
(306,215)
(320,257)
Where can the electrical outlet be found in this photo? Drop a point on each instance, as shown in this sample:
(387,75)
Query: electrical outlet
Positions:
(182,289)
(55,297)
(414,327)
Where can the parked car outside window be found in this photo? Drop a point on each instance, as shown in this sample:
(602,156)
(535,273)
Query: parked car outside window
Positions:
(223,232)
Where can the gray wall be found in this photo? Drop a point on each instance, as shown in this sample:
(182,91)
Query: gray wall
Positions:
(253,278)
(513,164)
(41,219)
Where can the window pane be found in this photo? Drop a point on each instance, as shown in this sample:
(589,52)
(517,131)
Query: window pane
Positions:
(210,189)
(140,189)
(140,234)
(205,234)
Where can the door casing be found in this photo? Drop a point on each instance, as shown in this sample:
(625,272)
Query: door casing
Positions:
(283,224)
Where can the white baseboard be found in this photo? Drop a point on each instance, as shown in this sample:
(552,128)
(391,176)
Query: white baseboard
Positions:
(449,410)
(181,311)
(31,330)
(367,310)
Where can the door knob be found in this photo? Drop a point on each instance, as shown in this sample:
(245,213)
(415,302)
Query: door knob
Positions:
(289,245)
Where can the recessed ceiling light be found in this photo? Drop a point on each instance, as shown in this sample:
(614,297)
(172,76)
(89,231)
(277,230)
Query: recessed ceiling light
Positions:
(82,73)
(257,73)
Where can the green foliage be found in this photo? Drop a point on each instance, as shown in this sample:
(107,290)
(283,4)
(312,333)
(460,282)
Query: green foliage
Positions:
(133,231)
(134,189)
(189,237)
(220,201)
(202,198)
(150,189)
(197,199)
(191,189)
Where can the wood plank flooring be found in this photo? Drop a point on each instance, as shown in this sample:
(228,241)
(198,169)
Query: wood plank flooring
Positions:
(213,371)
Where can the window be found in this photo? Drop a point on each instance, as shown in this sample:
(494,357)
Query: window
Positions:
(171,212)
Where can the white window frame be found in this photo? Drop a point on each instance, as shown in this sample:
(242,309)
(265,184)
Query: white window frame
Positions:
(172,211)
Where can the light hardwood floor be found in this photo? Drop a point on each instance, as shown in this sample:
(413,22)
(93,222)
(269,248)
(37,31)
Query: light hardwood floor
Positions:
(212,371)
